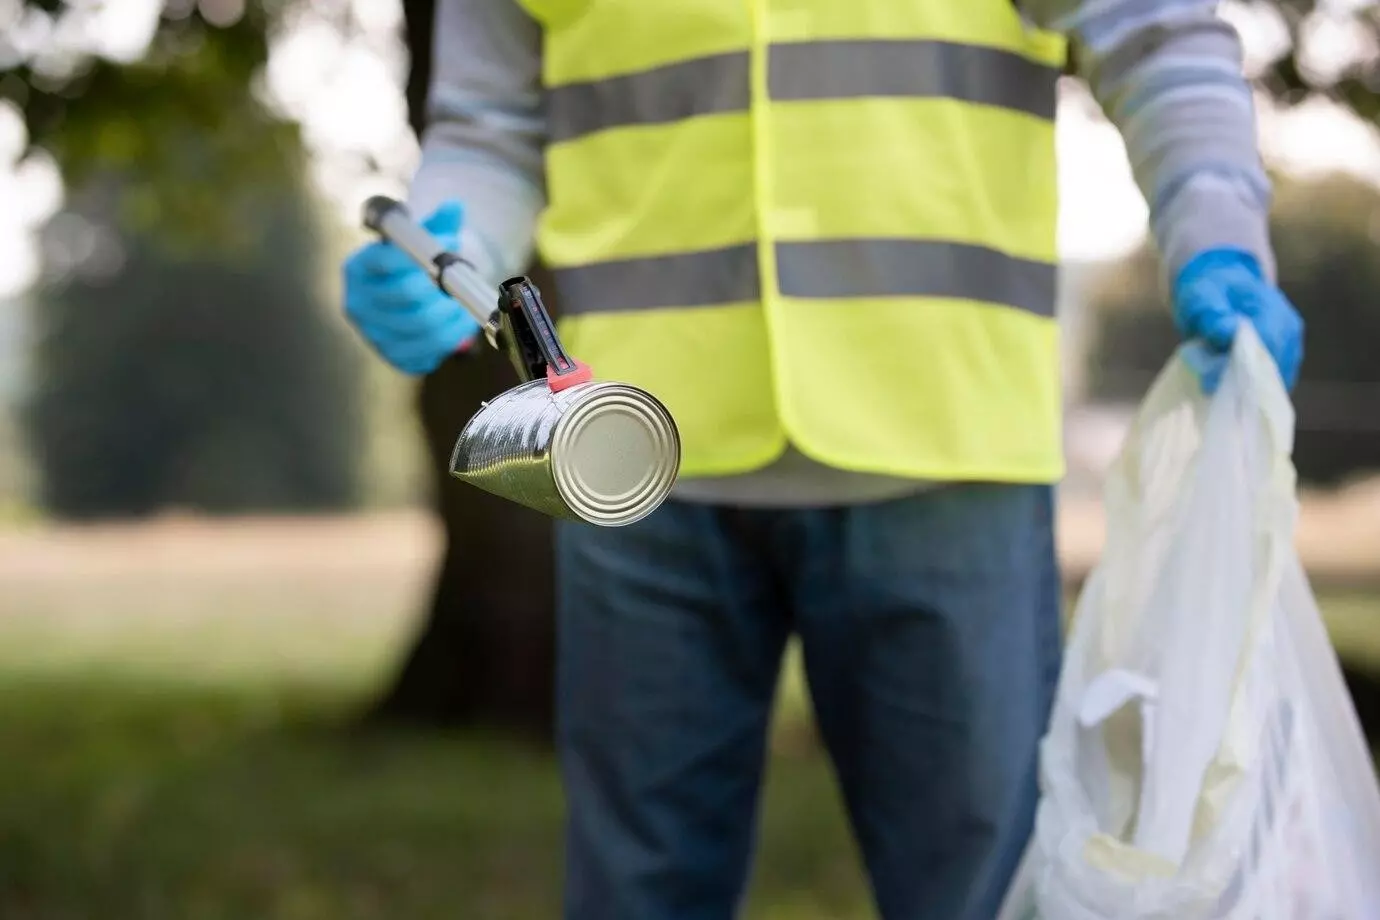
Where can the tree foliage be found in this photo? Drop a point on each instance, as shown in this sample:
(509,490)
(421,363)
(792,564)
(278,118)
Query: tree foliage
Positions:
(1304,70)
(88,110)
(184,355)
(182,124)
(193,379)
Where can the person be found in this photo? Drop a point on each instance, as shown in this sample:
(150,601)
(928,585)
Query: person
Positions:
(824,234)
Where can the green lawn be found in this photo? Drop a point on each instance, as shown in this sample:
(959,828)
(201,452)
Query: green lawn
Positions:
(140,803)
(195,768)
(201,768)
(1354,623)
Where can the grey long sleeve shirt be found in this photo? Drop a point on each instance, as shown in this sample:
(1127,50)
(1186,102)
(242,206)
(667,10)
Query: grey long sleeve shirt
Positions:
(1167,73)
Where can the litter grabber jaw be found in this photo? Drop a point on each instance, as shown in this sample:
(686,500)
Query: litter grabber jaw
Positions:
(530,338)
(560,442)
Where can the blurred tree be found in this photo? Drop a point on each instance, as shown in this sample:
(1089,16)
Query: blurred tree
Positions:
(1331,53)
(179,122)
(184,356)
(208,379)
(1325,233)
(485,655)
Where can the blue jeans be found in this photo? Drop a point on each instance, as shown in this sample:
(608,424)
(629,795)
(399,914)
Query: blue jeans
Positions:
(930,627)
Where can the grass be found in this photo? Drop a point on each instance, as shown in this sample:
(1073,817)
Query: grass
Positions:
(128,802)
(200,767)
(1353,620)
(14,514)
(176,751)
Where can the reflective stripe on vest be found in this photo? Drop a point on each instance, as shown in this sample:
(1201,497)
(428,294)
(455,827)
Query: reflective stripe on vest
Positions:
(830,222)
(805,71)
(817,269)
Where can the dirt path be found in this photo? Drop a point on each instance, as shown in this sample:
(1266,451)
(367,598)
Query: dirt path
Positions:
(317,598)
(398,543)
(1338,536)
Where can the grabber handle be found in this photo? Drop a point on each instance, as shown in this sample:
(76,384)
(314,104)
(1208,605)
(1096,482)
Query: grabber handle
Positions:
(452,274)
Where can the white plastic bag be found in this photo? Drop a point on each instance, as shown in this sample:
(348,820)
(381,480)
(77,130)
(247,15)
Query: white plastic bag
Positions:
(1203,761)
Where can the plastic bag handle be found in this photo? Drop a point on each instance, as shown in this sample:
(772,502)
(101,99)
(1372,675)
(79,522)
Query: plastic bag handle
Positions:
(1267,387)
(1176,385)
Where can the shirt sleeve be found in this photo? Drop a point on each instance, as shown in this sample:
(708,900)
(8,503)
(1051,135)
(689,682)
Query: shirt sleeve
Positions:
(485,132)
(1168,75)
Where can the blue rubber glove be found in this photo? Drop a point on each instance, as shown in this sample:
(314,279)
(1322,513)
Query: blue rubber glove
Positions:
(1214,292)
(398,309)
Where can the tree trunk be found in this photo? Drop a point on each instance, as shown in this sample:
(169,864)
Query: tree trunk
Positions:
(485,657)
(1364,687)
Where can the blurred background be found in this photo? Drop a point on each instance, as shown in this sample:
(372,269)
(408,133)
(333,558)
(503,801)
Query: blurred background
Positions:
(255,659)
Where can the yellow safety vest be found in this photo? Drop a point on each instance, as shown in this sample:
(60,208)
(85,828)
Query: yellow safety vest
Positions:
(828,221)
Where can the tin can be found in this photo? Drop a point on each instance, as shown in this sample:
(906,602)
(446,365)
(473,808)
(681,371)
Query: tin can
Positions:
(601,452)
